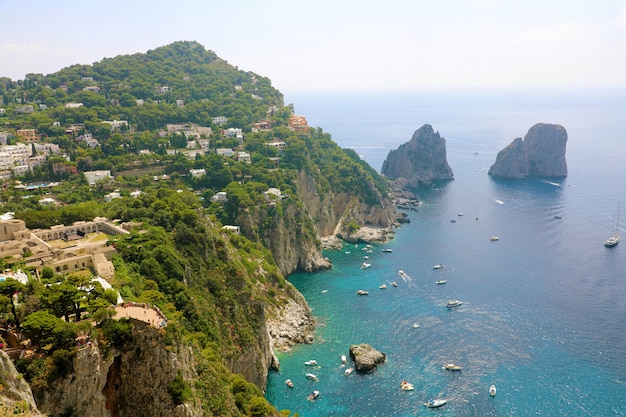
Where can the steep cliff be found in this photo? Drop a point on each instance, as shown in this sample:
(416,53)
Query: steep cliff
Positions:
(421,160)
(16,398)
(540,154)
(132,381)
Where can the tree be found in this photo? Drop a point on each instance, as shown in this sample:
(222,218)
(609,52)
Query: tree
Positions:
(43,329)
(10,288)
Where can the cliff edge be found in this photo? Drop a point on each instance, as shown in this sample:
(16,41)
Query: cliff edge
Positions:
(540,154)
(421,160)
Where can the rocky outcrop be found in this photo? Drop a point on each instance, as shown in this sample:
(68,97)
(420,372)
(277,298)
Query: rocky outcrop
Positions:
(421,160)
(16,397)
(293,235)
(134,382)
(366,358)
(540,154)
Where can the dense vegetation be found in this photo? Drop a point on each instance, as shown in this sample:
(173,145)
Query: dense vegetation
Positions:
(212,285)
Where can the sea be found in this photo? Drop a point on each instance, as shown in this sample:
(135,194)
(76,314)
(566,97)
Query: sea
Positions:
(543,314)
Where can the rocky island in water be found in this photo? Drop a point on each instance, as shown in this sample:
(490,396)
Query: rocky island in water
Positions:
(540,154)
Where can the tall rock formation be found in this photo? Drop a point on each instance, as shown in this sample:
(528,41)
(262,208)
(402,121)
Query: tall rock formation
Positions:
(421,160)
(16,398)
(540,154)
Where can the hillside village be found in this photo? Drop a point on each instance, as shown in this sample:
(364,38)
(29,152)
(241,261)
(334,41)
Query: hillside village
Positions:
(182,190)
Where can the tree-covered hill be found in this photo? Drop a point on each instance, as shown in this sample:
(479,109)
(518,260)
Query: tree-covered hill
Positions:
(195,128)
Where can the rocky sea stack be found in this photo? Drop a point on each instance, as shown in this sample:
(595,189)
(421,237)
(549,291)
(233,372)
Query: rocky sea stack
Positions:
(421,160)
(366,358)
(540,154)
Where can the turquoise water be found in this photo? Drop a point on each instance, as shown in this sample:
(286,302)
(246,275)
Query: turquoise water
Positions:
(544,307)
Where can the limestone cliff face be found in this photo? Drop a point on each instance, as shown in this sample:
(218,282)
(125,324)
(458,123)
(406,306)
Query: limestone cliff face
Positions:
(540,154)
(293,233)
(421,160)
(15,394)
(130,383)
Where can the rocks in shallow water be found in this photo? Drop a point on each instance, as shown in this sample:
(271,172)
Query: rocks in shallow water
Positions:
(366,358)
(540,154)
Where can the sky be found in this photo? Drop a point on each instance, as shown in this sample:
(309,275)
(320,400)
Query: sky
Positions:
(338,45)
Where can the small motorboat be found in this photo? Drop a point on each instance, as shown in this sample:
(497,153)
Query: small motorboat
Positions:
(452,367)
(312,377)
(311,362)
(452,220)
(416,326)
(362,292)
(382,287)
(453,303)
(441,281)
(437,266)
(406,386)
(348,371)
(365,265)
(313,396)
(432,403)
(289,383)
(492,390)
(387,250)
(494,238)
(395,284)
(344,359)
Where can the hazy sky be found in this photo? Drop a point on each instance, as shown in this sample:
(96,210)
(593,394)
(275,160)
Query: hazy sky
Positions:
(319,45)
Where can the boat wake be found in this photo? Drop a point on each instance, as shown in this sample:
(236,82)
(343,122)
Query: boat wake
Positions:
(556,184)
(406,278)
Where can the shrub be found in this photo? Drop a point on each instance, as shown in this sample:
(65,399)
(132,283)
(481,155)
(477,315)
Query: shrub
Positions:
(179,389)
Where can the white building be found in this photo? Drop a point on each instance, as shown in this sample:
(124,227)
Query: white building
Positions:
(220,196)
(244,157)
(95,176)
(196,173)
(112,196)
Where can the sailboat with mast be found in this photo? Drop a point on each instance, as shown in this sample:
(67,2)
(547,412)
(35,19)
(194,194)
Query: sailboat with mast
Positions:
(614,239)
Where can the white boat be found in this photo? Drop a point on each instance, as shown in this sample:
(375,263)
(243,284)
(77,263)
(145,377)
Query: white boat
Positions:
(452,367)
(395,284)
(289,383)
(406,386)
(416,326)
(313,396)
(437,266)
(311,362)
(404,275)
(362,292)
(348,371)
(492,390)
(312,376)
(435,403)
(494,238)
(614,239)
(453,303)
(441,281)
(387,250)
(382,287)
(365,265)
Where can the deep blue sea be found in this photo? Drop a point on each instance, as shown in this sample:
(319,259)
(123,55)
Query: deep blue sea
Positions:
(544,307)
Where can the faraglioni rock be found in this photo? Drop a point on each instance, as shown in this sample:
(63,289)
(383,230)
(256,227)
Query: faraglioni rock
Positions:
(421,160)
(540,154)
(366,358)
